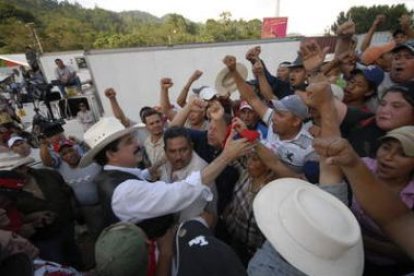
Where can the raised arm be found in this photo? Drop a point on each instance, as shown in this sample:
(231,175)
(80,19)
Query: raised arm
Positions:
(110,93)
(385,208)
(245,90)
(166,107)
(405,22)
(312,55)
(182,98)
(344,41)
(264,86)
(182,115)
(44,153)
(368,37)
(321,99)
(232,150)
(268,157)
(216,114)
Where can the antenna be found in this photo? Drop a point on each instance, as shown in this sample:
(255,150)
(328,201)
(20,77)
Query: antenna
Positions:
(277,8)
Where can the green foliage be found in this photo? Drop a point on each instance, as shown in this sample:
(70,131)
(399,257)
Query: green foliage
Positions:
(364,16)
(62,25)
(8,11)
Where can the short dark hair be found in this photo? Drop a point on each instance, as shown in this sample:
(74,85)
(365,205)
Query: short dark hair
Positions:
(174,132)
(144,109)
(148,113)
(372,86)
(406,90)
(284,64)
(397,32)
(101,157)
(58,59)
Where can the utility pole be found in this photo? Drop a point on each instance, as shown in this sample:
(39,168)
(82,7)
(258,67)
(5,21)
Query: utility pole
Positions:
(32,28)
(277,8)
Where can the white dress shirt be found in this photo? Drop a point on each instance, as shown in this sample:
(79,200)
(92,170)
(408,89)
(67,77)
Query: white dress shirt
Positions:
(136,200)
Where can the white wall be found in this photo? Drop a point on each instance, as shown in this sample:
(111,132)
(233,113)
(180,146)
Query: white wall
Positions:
(135,73)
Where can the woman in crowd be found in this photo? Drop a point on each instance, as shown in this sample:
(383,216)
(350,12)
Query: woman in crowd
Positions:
(245,236)
(394,166)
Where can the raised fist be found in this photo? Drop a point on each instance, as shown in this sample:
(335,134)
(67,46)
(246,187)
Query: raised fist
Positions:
(253,54)
(110,93)
(166,83)
(230,62)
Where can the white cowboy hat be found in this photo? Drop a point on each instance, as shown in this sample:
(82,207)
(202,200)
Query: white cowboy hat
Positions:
(225,83)
(10,161)
(105,131)
(310,228)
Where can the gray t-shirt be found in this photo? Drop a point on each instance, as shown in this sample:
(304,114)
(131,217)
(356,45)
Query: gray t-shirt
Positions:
(81,181)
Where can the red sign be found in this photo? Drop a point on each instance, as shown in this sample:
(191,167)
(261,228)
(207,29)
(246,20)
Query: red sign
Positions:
(274,27)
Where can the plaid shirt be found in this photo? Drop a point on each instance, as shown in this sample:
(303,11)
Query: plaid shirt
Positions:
(239,218)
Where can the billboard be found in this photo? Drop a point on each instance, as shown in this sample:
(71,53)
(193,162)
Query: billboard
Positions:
(273,27)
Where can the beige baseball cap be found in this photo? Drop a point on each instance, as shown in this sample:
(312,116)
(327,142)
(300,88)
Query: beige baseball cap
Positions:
(405,135)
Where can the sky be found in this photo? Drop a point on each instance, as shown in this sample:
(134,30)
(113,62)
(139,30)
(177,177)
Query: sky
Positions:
(304,16)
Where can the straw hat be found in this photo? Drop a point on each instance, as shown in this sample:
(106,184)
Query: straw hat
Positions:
(225,83)
(102,133)
(311,229)
(10,161)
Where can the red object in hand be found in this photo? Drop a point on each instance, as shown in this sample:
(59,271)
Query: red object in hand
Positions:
(250,135)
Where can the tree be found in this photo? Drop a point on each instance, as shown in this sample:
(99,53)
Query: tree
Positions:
(364,16)
(66,25)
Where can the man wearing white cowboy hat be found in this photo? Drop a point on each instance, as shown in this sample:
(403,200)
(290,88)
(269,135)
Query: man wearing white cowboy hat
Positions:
(48,193)
(125,194)
(308,232)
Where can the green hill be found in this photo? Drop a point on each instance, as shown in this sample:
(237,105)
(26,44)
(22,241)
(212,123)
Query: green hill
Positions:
(62,25)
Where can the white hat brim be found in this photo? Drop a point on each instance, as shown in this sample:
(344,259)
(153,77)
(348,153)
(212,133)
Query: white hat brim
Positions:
(9,165)
(87,159)
(266,206)
(240,67)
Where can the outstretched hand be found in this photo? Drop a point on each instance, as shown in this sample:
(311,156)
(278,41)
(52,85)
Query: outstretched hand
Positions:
(234,149)
(238,124)
(346,29)
(312,54)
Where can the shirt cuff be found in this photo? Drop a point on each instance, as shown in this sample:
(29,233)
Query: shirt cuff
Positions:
(194,178)
(145,174)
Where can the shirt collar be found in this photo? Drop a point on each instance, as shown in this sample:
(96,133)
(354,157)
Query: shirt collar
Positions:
(135,171)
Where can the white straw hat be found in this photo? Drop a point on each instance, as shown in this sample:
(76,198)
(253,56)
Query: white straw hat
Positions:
(105,131)
(311,229)
(225,83)
(10,161)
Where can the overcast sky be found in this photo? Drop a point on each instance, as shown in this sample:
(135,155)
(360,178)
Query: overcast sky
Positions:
(305,16)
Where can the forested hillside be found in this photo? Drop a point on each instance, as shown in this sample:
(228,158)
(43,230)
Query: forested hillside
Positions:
(66,26)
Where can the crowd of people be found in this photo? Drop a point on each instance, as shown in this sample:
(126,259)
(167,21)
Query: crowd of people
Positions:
(309,172)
